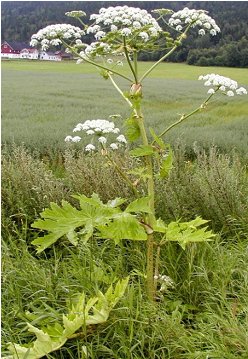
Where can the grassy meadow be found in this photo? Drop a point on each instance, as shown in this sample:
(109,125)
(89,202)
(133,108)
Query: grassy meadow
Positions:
(205,314)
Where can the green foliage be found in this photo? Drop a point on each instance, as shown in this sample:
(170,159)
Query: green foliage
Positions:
(82,314)
(188,232)
(143,150)
(132,129)
(107,219)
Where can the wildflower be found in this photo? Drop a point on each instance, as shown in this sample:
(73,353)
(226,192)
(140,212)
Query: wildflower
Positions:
(68,138)
(225,84)
(211,91)
(55,32)
(76,139)
(241,91)
(126,31)
(195,18)
(75,13)
(102,139)
(201,32)
(90,148)
(90,132)
(121,138)
(114,146)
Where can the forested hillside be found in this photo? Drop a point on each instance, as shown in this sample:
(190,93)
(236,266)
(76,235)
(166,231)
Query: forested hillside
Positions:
(20,19)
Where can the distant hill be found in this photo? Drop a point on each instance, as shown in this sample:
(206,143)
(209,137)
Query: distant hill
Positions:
(20,19)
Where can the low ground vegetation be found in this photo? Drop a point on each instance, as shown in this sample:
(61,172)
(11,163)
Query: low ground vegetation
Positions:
(204,315)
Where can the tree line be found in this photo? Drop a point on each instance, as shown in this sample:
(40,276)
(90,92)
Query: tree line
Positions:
(20,19)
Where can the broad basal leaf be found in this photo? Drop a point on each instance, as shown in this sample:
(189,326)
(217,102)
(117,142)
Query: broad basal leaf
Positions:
(96,310)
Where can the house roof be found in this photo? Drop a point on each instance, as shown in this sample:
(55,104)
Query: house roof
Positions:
(18,46)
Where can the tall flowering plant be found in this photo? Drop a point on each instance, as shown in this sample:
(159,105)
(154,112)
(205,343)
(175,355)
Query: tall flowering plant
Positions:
(122,32)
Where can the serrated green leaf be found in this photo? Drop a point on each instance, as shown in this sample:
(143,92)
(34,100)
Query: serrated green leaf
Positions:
(144,150)
(167,164)
(157,139)
(159,226)
(123,226)
(96,310)
(139,205)
(132,129)
(64,220)
(188,232)
(140,172)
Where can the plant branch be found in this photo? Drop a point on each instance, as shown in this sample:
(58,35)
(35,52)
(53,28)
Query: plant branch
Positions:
(165,56)
(128,60)
(95,63)
(120,91)
(184,117)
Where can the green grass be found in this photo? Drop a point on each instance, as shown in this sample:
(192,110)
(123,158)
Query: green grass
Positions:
(43,101)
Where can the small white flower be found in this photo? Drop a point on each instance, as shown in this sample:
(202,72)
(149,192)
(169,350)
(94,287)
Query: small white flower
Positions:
(230,93)
(144,36)
(126,31)
(102,139)
(222,88)
(211,91)
(99,35)
(109,61)
(114,146)
(68,139)
(121,138)
(90,147)
(90,132)
(76,139)
(201,32)
(179,27)
(241,91)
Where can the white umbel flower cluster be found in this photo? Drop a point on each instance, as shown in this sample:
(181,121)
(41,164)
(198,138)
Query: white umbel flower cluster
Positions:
(194,18)
(112,24)
(53,34)
(100,131)
(224,84)
(124,19)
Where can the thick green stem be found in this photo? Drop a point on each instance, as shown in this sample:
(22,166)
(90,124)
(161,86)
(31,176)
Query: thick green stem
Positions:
(150,218)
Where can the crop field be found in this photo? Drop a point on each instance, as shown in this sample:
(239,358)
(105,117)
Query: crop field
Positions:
(73,296)
(43,101)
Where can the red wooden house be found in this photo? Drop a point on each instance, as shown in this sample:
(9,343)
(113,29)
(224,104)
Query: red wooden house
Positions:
(12,49)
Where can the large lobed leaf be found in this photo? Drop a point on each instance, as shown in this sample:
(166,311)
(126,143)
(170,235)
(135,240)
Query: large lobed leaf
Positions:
(107,220)
(95,311)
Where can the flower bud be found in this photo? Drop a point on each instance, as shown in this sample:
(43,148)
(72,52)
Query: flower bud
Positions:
(136,90)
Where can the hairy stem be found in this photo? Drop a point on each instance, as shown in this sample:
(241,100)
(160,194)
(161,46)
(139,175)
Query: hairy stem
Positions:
(150,218)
